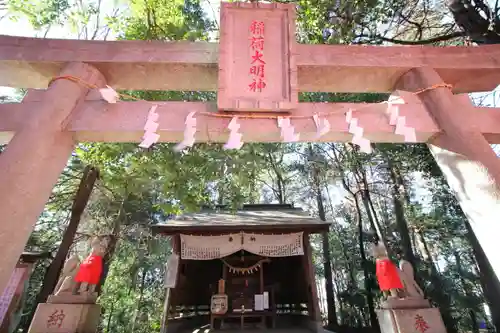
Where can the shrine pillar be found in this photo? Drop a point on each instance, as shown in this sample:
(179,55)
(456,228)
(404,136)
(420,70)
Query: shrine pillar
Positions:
(465,157)
(34,159)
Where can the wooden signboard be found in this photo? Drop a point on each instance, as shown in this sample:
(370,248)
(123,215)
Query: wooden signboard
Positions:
(218,305)
(257,67)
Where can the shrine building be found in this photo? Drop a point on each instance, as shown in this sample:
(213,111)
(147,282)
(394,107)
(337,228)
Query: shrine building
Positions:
(252,268)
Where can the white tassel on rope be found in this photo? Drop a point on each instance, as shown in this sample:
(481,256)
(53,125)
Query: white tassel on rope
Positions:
(109,95)
(357,132)
(287,130)
(150,136)
(400,122)
(322,126)
(189,132)
(234,141)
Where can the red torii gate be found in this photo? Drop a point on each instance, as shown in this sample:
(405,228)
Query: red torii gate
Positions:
(43,130)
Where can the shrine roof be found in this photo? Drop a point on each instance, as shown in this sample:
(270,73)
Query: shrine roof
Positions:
(257,218)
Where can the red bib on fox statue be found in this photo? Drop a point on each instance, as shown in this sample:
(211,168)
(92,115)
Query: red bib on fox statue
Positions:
(387,275)
(90,270)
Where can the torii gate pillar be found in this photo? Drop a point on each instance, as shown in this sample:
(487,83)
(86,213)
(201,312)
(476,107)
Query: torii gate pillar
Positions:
(33,161)
(469,164)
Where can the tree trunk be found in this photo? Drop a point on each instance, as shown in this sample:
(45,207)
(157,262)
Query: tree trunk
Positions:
(367,202)
(279,192)
(401,223)
(488,279)
(281,188)
(472,314)
(90,175)
(221,185)
(110,316)
(340,314)
(253,187)
(139,303)
(438,295)
(330,296)
(112,245)
(374,227)
(368,280)
(327,261)
(477,26)
(377,221)
(353,283)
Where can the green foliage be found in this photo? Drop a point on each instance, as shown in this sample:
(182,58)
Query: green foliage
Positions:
(40,13)
(166,20)
(132,299)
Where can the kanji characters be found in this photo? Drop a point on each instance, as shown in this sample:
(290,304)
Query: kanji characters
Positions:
(257,43)
(420,324)
(257,70)
(257,58)
(56,319)
(257,28)
(257,85)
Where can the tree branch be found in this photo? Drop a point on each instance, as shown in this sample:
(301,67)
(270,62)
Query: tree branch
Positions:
(416,42)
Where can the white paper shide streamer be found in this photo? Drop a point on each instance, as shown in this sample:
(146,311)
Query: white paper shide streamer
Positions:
(322,126)
(150,136)
(189,132)
(287,130)
(400,122)
(234,141)
(357,132)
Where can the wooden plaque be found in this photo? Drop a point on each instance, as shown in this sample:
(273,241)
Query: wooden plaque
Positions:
(218,304)
(257,67)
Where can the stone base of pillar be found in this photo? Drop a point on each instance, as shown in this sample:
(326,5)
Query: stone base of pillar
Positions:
(426,320)
(315,326)
(65,318)
(69,298)
(405,303)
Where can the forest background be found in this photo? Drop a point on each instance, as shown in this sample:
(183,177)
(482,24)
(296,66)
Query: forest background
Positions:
(396,192)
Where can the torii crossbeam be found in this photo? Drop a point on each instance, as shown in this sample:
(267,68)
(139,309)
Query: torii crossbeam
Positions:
(42,130)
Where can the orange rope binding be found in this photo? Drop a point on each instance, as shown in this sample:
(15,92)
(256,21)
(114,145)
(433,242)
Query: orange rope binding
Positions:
(243,116)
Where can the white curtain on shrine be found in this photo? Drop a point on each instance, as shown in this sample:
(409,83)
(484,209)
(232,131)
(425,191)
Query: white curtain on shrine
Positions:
(285,245)
(214,247)
(209,247)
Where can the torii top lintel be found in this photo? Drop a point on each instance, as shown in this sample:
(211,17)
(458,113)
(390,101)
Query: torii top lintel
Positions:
(257,67)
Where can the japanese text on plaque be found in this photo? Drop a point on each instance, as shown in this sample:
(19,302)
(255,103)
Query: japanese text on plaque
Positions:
(257,64)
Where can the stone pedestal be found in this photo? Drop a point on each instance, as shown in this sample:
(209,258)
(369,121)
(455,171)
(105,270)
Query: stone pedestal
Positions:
(427,320)
(406,303)
(69,298)
(315,326)
(65,318)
